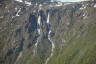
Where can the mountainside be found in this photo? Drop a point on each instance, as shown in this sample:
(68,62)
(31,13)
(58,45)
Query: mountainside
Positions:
(44,32)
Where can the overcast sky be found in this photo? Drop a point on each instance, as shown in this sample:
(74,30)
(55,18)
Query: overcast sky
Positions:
(70,0)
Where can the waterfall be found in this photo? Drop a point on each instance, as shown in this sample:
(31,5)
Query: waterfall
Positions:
(18,12)
(48,18)
(38,31)
(39,18)
(53,45)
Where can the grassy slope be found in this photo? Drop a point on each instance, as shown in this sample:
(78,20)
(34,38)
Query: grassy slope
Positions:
(81,50)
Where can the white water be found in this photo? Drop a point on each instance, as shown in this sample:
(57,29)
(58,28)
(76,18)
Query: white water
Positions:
(39,20)
(48,18)
(53,45)
(38,29)
(18,12)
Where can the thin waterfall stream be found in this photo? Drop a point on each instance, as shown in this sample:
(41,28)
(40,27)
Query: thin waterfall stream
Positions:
(52,44)
(38,31)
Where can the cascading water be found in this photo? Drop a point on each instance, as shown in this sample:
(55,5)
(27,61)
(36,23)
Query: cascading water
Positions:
(38,31)
(48,18)
(53,45)
(38,28)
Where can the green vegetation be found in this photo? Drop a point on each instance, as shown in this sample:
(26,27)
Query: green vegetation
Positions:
(79,48)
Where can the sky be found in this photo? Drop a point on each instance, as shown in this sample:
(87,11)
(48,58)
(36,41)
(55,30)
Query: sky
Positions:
(70,0)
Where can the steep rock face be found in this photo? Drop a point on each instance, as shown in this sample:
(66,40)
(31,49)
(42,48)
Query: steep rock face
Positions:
(47,33)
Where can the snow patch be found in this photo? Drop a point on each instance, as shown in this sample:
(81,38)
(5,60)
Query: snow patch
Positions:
(28,3)
(19,0)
